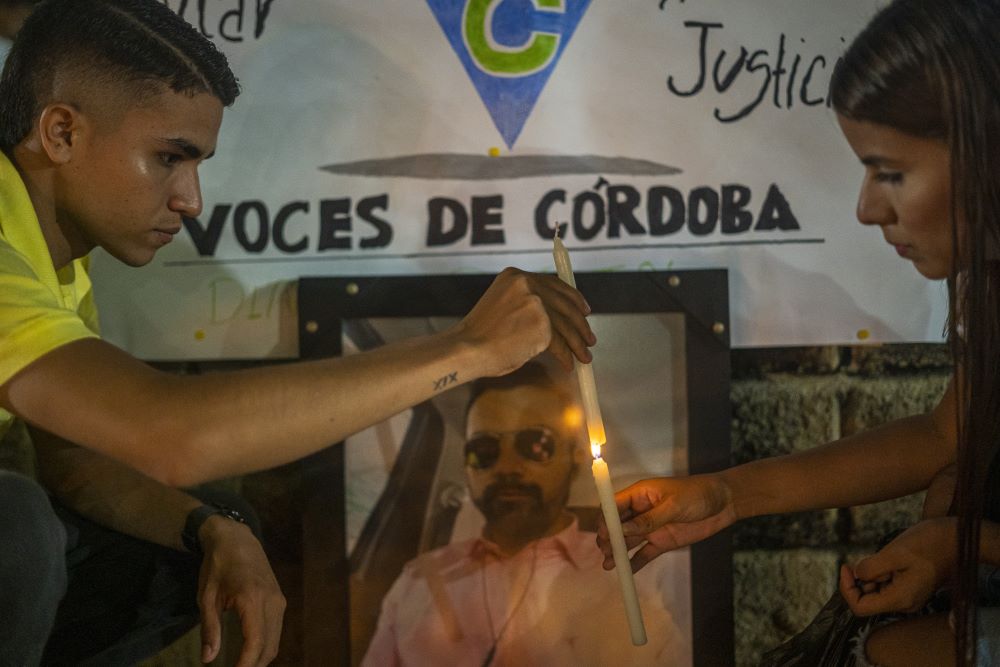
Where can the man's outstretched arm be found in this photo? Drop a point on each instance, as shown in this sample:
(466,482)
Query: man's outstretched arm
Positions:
(183,430)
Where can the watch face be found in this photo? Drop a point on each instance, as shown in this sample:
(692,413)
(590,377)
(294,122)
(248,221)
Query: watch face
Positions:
(235,515)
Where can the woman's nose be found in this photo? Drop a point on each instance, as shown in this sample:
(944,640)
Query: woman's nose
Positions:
(873,207)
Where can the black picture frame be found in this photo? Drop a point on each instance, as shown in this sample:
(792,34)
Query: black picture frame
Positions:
(700,296)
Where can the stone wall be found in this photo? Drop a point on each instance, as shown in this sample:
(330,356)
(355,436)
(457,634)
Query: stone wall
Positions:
(787,400)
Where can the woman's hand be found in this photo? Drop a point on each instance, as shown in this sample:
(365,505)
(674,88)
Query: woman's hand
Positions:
(940,493)
(905,573)
(668,513)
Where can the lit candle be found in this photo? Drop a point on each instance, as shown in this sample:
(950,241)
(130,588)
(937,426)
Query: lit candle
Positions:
(602,476)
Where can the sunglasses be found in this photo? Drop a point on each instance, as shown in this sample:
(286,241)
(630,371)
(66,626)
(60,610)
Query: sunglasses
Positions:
(536,444)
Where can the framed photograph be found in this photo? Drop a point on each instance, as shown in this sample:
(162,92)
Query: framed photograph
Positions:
(462,530)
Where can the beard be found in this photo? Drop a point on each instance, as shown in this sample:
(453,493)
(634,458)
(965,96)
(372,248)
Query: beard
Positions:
(496,505)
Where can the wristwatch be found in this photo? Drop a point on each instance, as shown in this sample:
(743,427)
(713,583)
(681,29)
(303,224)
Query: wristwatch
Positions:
(198,516)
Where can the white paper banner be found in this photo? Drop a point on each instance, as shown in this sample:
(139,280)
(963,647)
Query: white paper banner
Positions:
(450,136)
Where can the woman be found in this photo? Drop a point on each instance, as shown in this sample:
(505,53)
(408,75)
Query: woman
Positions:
(916,98)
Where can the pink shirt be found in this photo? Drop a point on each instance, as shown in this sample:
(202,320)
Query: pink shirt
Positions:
(449,606)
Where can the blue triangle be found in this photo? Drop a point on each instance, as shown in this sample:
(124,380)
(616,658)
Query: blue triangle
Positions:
(509,49)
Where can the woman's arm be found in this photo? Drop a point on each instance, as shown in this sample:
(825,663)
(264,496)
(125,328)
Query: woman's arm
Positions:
(889,461)
(886,462)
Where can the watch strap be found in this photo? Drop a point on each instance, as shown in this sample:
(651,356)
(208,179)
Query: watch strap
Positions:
(198,516)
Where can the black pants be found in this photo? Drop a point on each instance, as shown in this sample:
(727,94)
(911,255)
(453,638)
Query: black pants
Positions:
(75,593)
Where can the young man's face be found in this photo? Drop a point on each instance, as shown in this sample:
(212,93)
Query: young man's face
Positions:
(131,179)
(520,458)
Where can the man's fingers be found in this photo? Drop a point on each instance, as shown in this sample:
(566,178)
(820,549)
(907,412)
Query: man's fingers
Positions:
(274,618)
(568,305)
(558,349)
(573,330)
(274,613)
(211,624)
(568,292)
(251,621)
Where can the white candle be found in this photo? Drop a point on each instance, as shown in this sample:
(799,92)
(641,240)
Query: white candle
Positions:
(584,372)
(602,478)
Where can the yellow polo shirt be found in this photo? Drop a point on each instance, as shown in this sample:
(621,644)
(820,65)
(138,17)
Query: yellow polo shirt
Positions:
(41,309)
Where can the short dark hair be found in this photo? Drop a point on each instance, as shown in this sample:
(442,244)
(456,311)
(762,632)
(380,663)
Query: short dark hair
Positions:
(129,42)
(531,374)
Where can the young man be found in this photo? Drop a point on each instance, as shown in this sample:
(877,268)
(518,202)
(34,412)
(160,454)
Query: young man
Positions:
(107,110)
(85,593)
(530,589)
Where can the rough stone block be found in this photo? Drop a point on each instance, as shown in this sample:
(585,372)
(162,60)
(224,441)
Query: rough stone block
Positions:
(749,363)
(784,414)
(871,524)
(870,402)
(788,531)
(871,360)
(776,593)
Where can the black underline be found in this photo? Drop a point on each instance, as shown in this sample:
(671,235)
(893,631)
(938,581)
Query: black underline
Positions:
(481,253)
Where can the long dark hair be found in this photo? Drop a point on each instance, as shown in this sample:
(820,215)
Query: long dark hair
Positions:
(932,69)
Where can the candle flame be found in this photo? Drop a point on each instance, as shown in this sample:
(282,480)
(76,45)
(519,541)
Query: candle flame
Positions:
(595,449)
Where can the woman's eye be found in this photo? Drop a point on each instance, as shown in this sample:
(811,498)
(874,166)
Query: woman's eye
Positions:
(893,177)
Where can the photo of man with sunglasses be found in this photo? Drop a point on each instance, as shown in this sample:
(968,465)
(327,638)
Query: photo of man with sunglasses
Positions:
(530,589)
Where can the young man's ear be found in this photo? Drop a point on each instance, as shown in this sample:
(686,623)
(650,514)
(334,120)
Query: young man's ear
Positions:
(59,129)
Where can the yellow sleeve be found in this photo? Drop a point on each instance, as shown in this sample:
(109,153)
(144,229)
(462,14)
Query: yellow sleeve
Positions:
(33,320)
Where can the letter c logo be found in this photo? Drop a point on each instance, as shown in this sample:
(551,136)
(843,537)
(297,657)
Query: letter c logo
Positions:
(505,61)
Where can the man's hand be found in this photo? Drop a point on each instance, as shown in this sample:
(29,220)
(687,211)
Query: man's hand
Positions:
(235,574)
(668,513)
(905,573)
(523,314)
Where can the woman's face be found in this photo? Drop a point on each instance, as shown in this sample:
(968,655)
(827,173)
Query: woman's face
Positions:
(906,191)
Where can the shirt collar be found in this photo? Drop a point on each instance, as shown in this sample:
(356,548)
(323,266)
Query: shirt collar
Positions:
(566,543)
(20,228)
